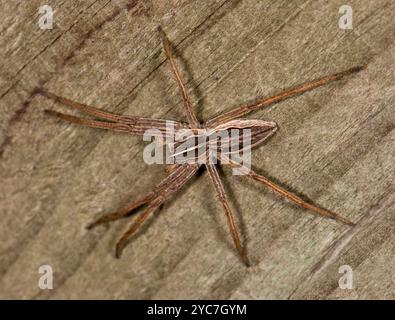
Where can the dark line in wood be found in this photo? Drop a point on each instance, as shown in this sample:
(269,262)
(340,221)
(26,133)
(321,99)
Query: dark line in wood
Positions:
(17,116)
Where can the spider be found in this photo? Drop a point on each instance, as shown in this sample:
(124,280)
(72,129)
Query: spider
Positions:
(179,174)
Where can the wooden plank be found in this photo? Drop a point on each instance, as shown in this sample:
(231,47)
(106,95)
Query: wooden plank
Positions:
(335,146)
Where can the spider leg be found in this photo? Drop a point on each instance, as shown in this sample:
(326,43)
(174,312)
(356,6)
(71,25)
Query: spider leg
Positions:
(132,124)
(135,226)
(290,196)
(92,111)
(246,109)
(170,56)
(165,189)
(87,122)
(123,212)
(139,127)
(127,210)
(222,196)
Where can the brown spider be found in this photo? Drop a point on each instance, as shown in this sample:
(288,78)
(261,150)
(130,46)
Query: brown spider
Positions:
(179,174)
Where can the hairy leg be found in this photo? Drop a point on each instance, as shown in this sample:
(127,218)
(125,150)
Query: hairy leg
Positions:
(290,196)
(246,109)
(170,56)
(157,127)
(92,111)
(177,174)
(222,196)
(122,212)
(165,189)
(136,225)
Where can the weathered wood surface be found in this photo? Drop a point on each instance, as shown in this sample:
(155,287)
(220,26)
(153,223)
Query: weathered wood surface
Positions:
(335,145)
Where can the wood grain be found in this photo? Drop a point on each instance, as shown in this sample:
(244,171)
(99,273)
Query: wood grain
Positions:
(335,146)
